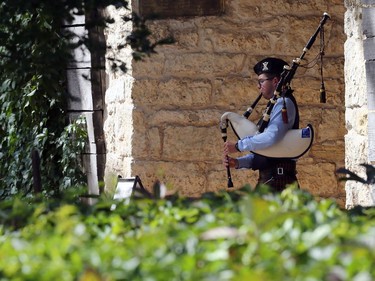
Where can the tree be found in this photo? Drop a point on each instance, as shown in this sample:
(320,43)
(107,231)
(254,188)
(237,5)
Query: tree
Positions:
(33,99)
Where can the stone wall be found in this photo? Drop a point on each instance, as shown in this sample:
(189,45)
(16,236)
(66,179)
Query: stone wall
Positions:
(162,118)
(359,96)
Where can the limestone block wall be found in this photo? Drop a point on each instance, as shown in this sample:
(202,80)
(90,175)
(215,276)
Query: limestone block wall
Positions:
(359,61)
(118,113)
(162,119)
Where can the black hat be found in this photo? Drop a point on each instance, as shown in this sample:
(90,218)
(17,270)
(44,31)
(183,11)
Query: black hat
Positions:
(270,65)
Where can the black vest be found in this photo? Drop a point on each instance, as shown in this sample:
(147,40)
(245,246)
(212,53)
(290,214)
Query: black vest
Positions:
(262,162)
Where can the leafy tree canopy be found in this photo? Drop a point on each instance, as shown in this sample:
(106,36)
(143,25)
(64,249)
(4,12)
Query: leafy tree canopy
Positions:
(33,56)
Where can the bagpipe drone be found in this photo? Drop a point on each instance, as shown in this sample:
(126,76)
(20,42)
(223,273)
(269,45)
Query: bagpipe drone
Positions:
(296,142)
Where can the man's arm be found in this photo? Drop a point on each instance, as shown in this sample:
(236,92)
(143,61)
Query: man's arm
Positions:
(275,131)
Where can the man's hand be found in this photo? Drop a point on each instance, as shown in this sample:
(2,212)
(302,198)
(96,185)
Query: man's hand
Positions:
(230,147)
(230,162)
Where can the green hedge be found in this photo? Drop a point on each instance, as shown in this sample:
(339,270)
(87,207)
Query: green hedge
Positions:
(240,235)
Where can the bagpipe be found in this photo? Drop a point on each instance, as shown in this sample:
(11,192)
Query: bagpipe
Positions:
(296,142)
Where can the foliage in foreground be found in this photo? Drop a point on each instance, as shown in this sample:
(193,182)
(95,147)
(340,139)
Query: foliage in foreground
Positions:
(239,235)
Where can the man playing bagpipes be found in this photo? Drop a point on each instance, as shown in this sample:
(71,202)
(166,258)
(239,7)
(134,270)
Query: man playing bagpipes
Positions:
(275,172)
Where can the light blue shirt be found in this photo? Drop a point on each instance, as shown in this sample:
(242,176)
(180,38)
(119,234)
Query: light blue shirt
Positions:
(274,132)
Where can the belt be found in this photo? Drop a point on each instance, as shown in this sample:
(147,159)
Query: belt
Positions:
(284,168)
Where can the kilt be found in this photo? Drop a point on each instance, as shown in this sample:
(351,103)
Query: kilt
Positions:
(278,175)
